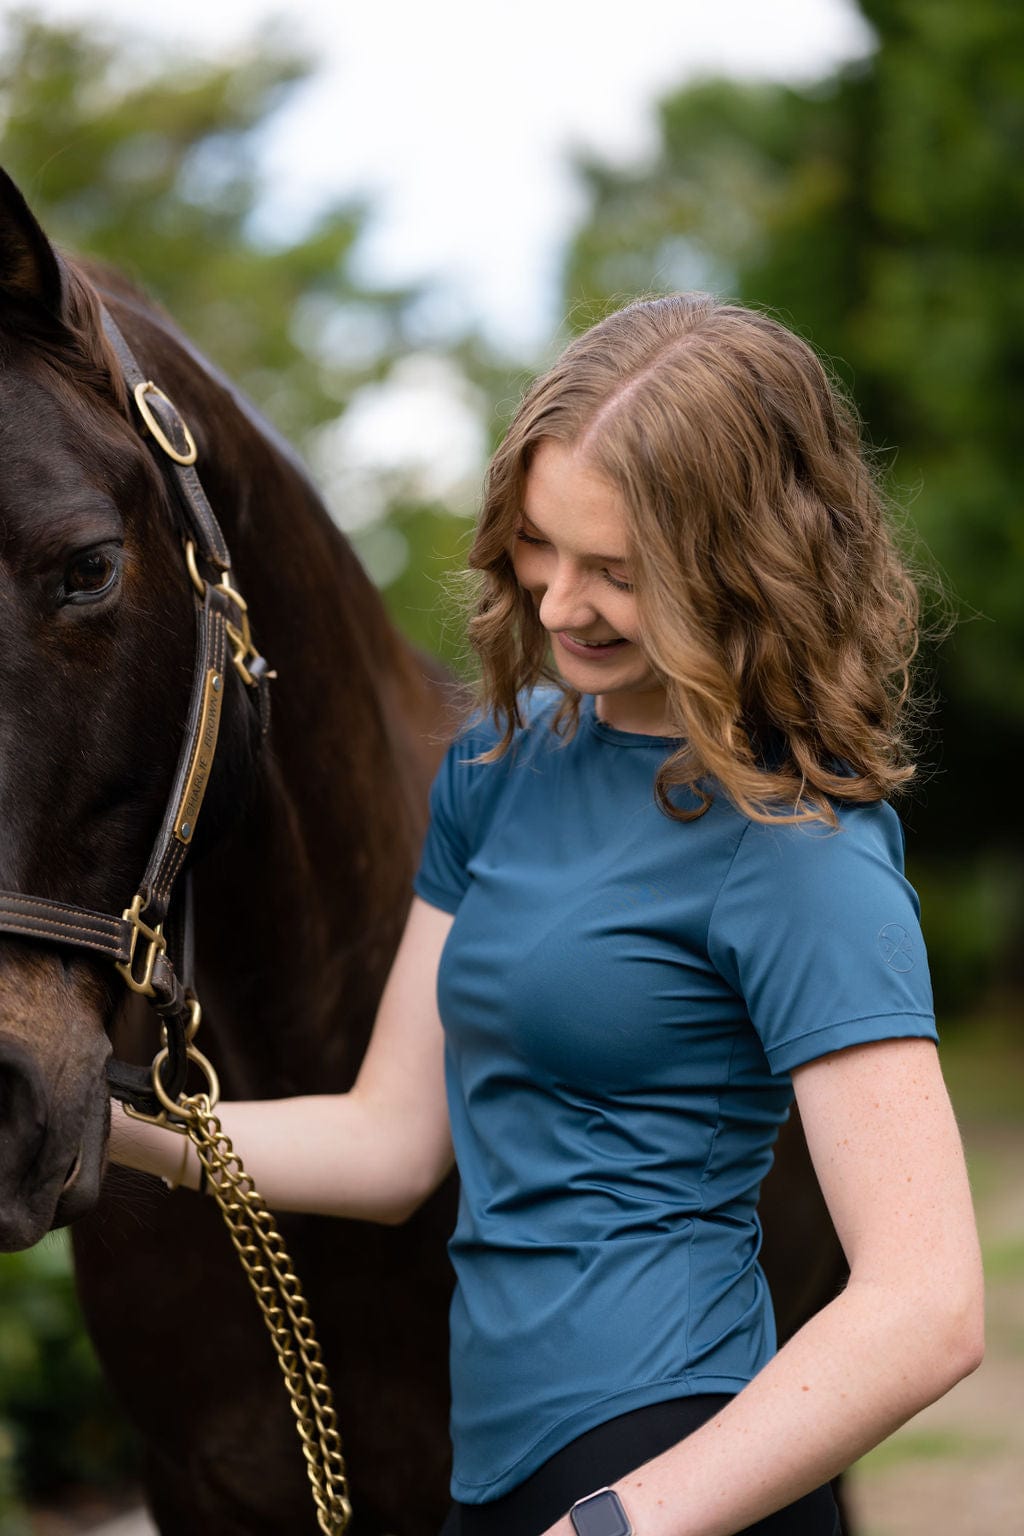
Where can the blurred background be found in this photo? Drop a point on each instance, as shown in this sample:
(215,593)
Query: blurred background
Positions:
(381,221)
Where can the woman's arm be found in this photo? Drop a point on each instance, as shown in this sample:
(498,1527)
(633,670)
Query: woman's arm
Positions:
(375,1152)
(909,1324)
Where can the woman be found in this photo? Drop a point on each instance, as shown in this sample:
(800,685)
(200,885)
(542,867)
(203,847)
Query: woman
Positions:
(659,898)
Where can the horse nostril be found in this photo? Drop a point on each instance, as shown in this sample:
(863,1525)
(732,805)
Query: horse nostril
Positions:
(21,1108)
(73,1172)
(23,1117)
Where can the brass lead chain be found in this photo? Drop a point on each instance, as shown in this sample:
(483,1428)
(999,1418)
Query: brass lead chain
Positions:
(270,1272)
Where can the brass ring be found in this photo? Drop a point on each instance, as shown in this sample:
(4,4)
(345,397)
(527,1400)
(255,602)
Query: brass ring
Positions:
(204,1065)
(193,569)
(149,388)
(195,1020)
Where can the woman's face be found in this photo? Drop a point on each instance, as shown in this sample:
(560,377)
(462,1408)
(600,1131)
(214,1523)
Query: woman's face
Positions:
(571,554)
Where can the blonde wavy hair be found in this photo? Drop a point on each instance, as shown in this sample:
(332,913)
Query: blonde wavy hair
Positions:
(772,599)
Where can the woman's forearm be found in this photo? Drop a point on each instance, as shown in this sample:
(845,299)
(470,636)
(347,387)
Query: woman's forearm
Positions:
(910,1323)
(330,1154)
(857,1370)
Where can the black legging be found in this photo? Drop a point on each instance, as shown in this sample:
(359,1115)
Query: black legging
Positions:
(602,1456)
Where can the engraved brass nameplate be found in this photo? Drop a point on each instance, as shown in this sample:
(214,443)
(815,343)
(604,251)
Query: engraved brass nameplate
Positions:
(199,773)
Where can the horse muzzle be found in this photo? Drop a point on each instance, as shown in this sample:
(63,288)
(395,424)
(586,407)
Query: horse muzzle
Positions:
(54,1105)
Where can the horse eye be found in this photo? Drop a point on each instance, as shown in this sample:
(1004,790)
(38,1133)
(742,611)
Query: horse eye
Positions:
(88,575)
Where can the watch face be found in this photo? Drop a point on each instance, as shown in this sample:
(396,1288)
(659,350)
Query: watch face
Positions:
(600,1515)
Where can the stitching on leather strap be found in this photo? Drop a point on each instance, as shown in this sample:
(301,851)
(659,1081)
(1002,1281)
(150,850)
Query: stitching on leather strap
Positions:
(106,944)
(60,908)
(66,917)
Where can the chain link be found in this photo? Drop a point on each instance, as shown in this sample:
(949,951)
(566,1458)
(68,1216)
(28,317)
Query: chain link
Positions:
(279,1295)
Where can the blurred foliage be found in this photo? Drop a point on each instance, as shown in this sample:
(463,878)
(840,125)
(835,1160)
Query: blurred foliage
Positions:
(881,213)
(424,595)
(150,161)
(58,1425)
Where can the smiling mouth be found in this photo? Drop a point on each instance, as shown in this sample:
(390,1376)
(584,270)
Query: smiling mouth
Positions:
(589,650)
(595,645)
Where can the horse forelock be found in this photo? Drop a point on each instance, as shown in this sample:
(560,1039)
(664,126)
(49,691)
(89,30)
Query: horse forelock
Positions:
(69,359)
(71,347)
(93,362)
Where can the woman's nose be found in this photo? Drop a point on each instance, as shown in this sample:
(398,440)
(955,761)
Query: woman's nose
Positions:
(564,604)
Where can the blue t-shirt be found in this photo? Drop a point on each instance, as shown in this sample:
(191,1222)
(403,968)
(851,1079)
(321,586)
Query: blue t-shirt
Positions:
(623,997)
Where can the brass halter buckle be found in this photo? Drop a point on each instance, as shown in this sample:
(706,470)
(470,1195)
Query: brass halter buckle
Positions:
(157,945)
(242,649)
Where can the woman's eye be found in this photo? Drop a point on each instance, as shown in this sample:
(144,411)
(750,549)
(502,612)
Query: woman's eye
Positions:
(527,538)
(89,575)
(617,582)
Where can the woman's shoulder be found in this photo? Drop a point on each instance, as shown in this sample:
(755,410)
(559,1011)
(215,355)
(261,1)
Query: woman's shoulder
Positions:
(872,826)
(811,874)
(483,730)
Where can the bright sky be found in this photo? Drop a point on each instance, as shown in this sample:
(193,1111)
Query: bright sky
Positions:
(458,116)
(457,120)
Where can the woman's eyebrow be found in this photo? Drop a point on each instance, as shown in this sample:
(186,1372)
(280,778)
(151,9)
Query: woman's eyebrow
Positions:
(527,521)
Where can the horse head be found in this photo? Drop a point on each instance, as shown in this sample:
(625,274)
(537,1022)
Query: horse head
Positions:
(96,660)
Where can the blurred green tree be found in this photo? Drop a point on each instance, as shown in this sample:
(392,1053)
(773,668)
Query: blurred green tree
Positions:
(150,161)
(881,213)
(58,1424)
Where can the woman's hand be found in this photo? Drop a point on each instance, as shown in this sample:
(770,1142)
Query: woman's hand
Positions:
(374,1153)
(151,1149)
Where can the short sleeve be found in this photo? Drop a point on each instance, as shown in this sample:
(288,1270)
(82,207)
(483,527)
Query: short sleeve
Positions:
(459,796)
(818,932)
(442,877)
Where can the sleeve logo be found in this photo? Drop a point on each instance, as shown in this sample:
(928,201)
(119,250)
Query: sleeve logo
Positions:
(895,947)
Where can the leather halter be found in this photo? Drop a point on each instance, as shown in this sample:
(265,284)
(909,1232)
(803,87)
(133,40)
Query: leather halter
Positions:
(136,941)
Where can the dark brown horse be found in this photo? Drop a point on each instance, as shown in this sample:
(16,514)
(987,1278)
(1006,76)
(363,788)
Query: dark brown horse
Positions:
(302,867)
(301,885)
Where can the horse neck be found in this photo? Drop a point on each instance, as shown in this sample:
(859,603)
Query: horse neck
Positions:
(299,910)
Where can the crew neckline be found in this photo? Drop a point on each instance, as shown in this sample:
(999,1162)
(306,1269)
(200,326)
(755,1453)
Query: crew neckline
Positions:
(612,734)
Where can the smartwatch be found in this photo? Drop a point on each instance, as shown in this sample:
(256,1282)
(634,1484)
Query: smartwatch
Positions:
(600,1514)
